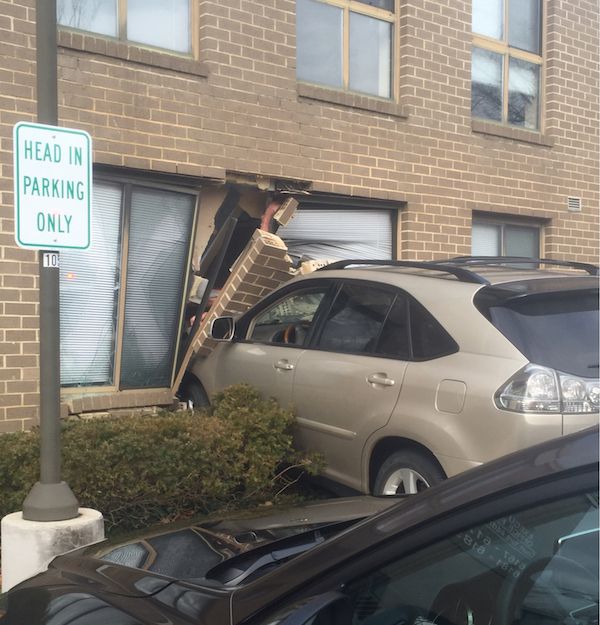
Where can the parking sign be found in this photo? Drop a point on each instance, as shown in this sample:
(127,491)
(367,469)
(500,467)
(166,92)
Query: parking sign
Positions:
(53,186)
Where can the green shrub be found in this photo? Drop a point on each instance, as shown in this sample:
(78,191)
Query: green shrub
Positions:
(143,470)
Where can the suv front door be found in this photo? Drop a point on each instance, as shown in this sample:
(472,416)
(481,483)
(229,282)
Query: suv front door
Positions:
(271,344)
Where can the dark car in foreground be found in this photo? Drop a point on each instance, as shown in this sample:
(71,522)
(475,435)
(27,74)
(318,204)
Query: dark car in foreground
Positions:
(512,541)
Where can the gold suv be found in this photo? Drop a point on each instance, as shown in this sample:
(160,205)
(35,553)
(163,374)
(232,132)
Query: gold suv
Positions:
(403,373)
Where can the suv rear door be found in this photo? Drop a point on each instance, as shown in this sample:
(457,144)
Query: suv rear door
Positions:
(348,382)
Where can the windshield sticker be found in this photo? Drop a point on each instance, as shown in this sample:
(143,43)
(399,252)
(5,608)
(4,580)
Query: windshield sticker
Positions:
(503,544)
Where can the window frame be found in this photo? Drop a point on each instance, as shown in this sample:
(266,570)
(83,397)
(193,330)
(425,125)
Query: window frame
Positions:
(127,184)
(502,222)
(502,47)
(391,17)
(121,36)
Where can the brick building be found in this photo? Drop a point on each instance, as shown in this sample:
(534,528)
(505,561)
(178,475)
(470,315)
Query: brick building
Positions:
(405,128)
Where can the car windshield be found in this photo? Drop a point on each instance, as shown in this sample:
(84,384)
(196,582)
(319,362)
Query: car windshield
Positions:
(557,330)
(534,566)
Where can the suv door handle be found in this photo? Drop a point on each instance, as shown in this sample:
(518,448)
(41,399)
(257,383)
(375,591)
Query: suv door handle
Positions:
(284,365)
(381,379)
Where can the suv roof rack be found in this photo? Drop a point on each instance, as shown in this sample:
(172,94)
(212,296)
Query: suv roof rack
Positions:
(464,275)
(457,266)
(593,270)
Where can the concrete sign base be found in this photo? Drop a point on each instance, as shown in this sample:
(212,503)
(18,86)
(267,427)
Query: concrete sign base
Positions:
(29,546)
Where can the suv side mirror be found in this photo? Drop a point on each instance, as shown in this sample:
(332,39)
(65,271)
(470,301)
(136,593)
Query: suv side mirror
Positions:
(222,329)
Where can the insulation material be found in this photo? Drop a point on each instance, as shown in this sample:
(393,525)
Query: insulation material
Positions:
(308,266)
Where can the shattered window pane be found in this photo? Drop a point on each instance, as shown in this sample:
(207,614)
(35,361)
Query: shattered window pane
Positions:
(486,86)
(523,93)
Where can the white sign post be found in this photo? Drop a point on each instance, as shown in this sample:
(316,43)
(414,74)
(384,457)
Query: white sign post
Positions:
(53,187)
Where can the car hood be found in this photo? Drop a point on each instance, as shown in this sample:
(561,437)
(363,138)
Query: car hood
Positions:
(190,551)
(78,590)
(159,577)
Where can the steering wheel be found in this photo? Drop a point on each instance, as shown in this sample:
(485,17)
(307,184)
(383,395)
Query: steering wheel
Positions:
(405,615)
(294,334)
(513,591)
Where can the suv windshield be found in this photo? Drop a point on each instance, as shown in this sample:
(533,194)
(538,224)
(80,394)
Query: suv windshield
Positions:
(557,330)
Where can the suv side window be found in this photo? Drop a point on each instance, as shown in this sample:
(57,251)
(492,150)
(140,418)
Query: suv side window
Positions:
(429,339)
(288,320)
(394,338)
(355,319)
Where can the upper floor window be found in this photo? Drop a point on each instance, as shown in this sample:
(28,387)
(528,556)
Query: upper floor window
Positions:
(506,64)
(346,44)
(158,23)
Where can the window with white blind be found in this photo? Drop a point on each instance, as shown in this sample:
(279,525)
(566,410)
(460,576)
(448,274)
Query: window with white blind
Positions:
(497,238)
(338,234)
(121,300)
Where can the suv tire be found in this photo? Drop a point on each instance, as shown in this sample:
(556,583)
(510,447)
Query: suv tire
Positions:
(407,472)
(193,392)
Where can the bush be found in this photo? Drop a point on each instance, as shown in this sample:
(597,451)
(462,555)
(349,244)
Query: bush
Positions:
(155,468)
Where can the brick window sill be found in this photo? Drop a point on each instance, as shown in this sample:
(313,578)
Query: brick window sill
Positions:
(113,48)
(511,132)
(351,100)
(78,401)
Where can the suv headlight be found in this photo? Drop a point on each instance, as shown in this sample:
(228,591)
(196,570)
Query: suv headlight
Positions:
(541,389)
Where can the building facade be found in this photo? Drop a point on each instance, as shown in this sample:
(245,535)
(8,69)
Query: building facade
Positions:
(405,128)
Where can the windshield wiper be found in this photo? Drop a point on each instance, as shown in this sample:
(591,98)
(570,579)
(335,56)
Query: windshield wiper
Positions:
(257,561)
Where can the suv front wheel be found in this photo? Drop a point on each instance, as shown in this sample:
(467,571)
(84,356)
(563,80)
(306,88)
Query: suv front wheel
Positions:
(407,472)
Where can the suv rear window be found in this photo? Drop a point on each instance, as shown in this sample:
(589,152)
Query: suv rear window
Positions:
(557,330)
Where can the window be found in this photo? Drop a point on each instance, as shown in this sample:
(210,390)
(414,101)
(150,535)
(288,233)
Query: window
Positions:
(569,317)
(506,63)
(290,319)
(158,23)
(338,232)
(429,339)
(347,44)
(394,339)
(121,299)
(497,238)
(355,319)
(411,333)
(538,565)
